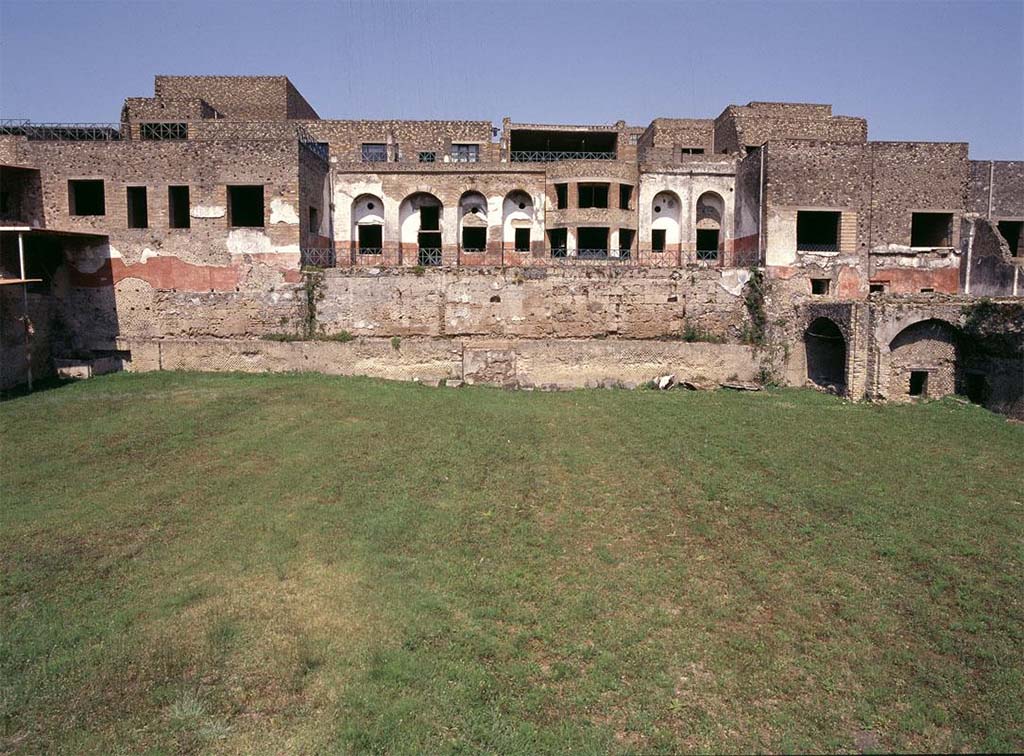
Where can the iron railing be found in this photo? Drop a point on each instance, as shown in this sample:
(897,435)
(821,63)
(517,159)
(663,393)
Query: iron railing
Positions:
(707,254)
(602,254)
(805,247)
(545,156)
(317,257)
(163,131)
(371,250)
(68,132)
(429,256)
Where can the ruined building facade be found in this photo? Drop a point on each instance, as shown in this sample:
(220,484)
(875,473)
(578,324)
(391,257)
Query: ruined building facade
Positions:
(222,224)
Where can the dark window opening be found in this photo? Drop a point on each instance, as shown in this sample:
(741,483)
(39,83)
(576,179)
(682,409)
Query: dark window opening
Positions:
(495,299)
(691,150)
(528,145)
(751,147)
(430,218)
(428,157)
(592,242)
(626,236)
(314,221)
(593,195)
(658,240)
(245,206)
(931,230)
(429,248)
(178,207)
(43,256)
(919,383)
(474,239)
(562,196)
(465,153)
(927,290)
(558,239)
(625,195)
(817,231)
(1011,231)
(707,244)
(85,197)
(375,153)
(522,240)
(820,286)
(371,239)
(138,213)
(876,288)
(162,131)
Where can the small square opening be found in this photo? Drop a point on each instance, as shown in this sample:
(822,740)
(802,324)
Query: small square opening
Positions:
(85,197)
(820,286)
(178,207)
(931,230)
(138,212)
(522,240)
(245,206)
(658,240)
(876,288)
(371,239)
(919,383)
(474,239)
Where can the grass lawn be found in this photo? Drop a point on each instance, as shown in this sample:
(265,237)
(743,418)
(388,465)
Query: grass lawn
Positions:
(285,563)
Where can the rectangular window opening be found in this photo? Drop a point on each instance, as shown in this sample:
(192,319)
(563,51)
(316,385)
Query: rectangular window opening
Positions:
(522,240)
(919,383)
(430,218)
(375,152)
(163,131)
(876,288)
(245,206)
(1011,231)
(85,197)
(371,239)
(474,239)
(314,221)
(428,157)
(658,240)
(562,196)
(592,242)
(138,212)
(625,195)
(558,239)
(178,207)
(691,150)
(817,231)
(465,153)
(820,286)
(931,230)
(707,244)
(593,195)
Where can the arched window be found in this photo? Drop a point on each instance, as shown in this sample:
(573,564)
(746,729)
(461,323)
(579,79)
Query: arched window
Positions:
(473,222)
(666,215)
(368,224)
(924,360)
(518,220)
(419,217)
(710,211)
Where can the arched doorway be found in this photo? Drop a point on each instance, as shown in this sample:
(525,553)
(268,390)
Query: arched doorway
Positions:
(710,211)
(825,349)
(924,360)
(419,217)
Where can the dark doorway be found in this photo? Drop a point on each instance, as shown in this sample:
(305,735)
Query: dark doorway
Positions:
(474,239)
(919,383)
(707,244)
(138,212)
(826,355)
(178,207)
(245,206)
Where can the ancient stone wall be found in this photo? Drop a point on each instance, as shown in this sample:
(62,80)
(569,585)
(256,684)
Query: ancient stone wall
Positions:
(244,98)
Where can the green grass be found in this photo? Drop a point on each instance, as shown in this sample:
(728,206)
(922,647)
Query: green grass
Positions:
(285,563)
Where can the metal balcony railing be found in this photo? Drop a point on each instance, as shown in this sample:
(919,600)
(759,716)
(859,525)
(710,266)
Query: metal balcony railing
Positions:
(602,254)
(371,250)
(163,131)
(317,257)
(429,256)
(544,156)
(68,132)
(806,247)
(707,254)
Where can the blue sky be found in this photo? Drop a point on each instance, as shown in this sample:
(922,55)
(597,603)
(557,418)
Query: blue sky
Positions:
(918,71)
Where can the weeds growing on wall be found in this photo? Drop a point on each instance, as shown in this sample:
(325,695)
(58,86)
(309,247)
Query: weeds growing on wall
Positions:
(313,286)
(754,300)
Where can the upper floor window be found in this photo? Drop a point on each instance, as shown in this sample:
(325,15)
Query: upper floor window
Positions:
(163,130)
(428,157)
(375,153)
(245,206)
(691,150)
(466,153)
(931,230)
(593,195)
(85,197)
